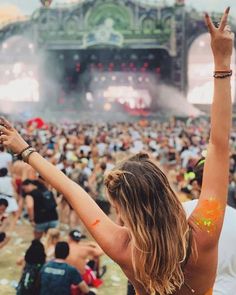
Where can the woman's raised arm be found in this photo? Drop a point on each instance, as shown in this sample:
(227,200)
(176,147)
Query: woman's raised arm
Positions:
(209,213)
(109,236)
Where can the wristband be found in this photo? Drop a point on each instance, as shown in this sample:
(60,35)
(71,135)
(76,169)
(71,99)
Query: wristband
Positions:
(18,156)
(26,153)
(222,74)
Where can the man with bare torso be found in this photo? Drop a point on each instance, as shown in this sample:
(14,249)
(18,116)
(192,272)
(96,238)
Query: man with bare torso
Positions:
(84,256)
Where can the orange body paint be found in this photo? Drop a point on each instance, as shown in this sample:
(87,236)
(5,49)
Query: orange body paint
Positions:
(208,214)
(96,222)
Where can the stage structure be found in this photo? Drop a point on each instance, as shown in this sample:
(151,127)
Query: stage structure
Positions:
(104,38)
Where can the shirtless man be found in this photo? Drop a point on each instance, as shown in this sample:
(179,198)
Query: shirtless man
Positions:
(81,253)
(4,223)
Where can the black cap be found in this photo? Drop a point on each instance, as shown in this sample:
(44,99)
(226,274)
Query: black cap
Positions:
(76,235)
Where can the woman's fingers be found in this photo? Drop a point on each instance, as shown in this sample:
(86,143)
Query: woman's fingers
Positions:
(3,139)
(5,123)
(209,23)
(224,20)
(4,130)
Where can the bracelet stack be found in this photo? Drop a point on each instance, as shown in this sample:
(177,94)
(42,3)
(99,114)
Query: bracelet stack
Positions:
(222,74)
(24,155)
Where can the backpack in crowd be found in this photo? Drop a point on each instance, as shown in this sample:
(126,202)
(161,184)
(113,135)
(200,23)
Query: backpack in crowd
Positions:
(29,282)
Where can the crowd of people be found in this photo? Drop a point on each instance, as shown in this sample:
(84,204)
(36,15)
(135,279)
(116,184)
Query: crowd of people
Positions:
(85,153)
(73,174)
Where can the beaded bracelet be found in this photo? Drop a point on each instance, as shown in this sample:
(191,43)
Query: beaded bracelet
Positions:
(222,74)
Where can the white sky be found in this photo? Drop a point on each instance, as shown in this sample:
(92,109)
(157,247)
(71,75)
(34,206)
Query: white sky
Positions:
(28,6)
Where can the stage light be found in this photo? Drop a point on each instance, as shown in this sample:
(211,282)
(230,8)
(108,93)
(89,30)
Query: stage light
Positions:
(113,78)
(103,78)
(107,107)
(17,68)
(76,57)
(78,67)
(4,45)
(140,79)
(93,57)
(22,89)
(131,65)
(151,56)
(89,96)
(134,57)
(130,78)
(31,46)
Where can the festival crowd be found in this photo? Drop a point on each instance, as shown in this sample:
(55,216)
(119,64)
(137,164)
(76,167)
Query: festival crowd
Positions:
(85,153)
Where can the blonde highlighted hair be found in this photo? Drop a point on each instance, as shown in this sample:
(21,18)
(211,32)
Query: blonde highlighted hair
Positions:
(157,222)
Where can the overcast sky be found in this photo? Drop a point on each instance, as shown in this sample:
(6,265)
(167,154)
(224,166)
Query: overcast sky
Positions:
(28,6)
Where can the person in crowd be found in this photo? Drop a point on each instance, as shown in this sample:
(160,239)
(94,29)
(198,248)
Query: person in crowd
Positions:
(52,238)
(198,177)
(34,260)
(4,223)
(84,256)
(58,277)
(159,250)
(5,158)
(232,191)
(6,186)
(99,193)
(7,192)
(20,171)
(41,207)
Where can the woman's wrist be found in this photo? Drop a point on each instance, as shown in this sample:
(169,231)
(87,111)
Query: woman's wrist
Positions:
(222,65)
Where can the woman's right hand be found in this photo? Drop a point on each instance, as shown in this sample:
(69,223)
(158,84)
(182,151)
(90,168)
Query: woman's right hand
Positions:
(10,138)
(222,40)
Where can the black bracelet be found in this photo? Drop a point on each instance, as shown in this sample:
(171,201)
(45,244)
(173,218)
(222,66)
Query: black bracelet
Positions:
(24,150)
(222,75)
(19,156)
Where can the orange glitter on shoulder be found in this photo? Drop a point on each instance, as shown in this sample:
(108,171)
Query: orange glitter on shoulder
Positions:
(207,214)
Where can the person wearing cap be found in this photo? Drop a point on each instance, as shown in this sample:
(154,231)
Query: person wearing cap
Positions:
(7,193)
(84,256)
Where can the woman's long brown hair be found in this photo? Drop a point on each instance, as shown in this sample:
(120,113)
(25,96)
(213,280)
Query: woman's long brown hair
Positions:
(156,220)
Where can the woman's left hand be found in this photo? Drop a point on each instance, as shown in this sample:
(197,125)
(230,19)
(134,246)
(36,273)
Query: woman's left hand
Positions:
(10,138)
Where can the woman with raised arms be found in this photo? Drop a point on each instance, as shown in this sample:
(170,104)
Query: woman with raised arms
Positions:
(159,250)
